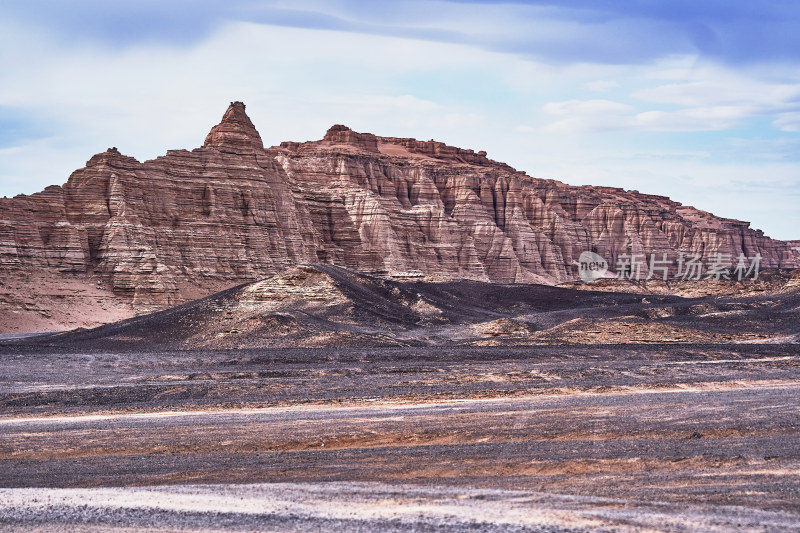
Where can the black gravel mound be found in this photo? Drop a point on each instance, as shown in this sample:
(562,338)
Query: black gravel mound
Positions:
(372,311)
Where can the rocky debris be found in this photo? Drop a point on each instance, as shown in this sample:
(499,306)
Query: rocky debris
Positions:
(162,232)
(503,327)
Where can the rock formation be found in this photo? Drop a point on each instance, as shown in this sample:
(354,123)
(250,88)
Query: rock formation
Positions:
(158,233)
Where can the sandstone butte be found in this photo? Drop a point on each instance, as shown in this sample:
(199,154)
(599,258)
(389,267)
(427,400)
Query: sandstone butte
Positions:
(124,237)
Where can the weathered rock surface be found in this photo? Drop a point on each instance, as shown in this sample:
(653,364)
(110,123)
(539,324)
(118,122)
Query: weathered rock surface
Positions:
(235,133)
(161,232)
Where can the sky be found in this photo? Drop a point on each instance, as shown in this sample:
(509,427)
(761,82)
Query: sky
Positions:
(698,101)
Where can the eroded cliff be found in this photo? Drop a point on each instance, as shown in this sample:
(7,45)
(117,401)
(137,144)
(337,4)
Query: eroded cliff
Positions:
(148,235)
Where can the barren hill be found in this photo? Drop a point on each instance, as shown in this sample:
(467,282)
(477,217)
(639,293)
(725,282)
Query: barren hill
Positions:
(328,306)
(124,237)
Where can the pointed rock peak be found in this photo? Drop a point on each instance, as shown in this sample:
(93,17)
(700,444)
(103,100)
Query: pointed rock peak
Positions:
(235,133)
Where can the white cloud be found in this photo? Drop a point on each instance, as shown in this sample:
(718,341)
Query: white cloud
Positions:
(601,85)
(583,116)
(788,122)
(714,98)
(785,148)
(693,119)
(666,154)
(704,106)
(721,89)
(587,115)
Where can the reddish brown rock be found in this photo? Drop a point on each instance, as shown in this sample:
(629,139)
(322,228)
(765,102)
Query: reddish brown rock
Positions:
(235,133)
(157,233)
(339,134)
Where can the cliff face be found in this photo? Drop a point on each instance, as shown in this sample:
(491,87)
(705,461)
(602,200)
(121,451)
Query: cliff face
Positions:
(154,234)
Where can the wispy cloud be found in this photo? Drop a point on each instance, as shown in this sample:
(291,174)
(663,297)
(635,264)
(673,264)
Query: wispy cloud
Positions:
(788,122)
(733,32)
(713,118)
(588,115)
(601,85)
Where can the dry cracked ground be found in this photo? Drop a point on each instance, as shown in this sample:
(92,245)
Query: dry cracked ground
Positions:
(439,407)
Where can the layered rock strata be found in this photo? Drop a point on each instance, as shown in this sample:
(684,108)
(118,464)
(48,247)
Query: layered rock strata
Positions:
(160,232)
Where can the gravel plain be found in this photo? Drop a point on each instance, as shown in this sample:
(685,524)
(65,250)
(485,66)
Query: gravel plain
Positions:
(601,438)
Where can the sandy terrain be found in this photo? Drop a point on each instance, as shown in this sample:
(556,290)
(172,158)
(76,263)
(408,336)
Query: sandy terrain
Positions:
(31,302)
(346,506)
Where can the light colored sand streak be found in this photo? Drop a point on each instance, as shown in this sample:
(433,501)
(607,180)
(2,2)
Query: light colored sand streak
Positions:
(376,503)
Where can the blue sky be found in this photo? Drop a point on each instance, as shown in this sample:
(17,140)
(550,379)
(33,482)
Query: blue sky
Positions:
(699,101)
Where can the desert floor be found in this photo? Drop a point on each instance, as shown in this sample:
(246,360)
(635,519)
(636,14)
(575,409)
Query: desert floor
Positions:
(550,438)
